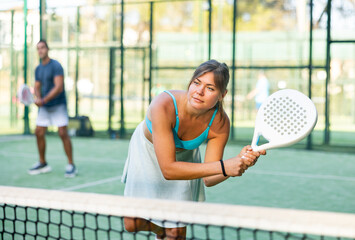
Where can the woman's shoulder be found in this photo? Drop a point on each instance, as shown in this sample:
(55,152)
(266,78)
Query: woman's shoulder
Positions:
(221,122)
(164,102)
(175,93)
(167,97)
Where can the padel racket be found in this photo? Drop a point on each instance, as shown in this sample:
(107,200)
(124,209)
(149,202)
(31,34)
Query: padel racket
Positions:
(285,117)
(24,95)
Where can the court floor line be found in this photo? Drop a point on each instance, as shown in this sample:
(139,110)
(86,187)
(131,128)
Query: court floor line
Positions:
(289,174)
(114,160)
(286,174)
(91,184)
(52,156)
(15,138)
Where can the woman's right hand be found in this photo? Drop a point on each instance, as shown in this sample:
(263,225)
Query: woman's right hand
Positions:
(246,158)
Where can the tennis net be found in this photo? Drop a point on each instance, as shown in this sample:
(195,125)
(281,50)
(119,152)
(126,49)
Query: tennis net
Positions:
(27,213)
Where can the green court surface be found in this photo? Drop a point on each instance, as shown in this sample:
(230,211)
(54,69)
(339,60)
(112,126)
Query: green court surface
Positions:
(284,178)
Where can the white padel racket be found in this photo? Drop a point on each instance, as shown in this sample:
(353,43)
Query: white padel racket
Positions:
(285,117)
(24,95)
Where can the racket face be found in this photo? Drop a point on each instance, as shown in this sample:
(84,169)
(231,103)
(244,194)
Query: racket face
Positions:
(25,96)
(285,118)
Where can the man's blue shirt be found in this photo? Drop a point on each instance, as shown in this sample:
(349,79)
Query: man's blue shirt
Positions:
(45,75)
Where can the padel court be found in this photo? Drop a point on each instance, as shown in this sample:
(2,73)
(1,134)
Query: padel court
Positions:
(284,178)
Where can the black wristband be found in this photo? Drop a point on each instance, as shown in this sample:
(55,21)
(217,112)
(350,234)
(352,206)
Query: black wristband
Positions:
(223,170)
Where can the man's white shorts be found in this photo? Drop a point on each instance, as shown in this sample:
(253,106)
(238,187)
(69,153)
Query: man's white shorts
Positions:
(53,116)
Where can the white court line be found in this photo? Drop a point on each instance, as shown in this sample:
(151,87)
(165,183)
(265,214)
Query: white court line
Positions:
(92,184)
(16,138)
(286,174)
(114,160)
(302,175)
(76,158)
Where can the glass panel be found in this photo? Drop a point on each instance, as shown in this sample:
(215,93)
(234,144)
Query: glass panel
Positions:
(61,25)
(116,117)
(93,86)
(262,39)
(269,34)
(318,97)
(180,34)
(136,25)
(171,79)
(11,68)
(343,19)
(342,94)
(8,106)
(134,103)
(95,21)
(246,99)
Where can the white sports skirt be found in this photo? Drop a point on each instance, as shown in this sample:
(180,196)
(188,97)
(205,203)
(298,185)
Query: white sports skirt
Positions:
(143,177)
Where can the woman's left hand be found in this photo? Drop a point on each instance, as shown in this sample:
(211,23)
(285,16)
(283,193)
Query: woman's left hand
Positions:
(249,156)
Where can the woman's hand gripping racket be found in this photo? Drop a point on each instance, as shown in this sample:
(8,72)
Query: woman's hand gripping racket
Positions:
(24,95)
(285,118)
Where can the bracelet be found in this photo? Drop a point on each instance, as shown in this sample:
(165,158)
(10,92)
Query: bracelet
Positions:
(223,170)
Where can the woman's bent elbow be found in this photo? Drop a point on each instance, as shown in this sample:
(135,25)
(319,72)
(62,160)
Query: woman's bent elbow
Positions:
(130,224)
(168,175)
(207,182)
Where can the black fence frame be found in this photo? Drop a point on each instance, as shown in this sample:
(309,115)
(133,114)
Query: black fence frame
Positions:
(234,67)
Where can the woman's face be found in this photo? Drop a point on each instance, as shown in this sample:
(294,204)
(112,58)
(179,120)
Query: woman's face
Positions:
(203,93)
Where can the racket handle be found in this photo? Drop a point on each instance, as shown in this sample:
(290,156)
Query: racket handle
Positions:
(261,147)
(256,148)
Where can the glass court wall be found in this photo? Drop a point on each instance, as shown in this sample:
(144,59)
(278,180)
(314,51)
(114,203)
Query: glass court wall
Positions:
(118,55)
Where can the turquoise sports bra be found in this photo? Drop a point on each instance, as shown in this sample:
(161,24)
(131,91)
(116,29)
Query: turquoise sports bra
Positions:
(189,144)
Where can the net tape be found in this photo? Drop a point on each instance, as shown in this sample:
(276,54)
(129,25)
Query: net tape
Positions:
(101,208)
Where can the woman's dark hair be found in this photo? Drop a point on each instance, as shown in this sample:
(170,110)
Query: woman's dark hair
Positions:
(221,76)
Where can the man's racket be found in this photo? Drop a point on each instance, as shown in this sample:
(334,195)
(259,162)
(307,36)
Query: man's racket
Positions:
(286,117)
(24,95)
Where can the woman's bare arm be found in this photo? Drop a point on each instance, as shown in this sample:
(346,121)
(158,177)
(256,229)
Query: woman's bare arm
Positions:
(162,115)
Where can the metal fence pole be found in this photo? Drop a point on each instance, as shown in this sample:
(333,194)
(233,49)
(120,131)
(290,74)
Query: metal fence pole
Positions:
(209,28)
(111,89)
(77,61)
(309,139)
(234,32)
(42,22)
(13,80)
(327,80)
(26,112)
(150,51)
(122,122)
